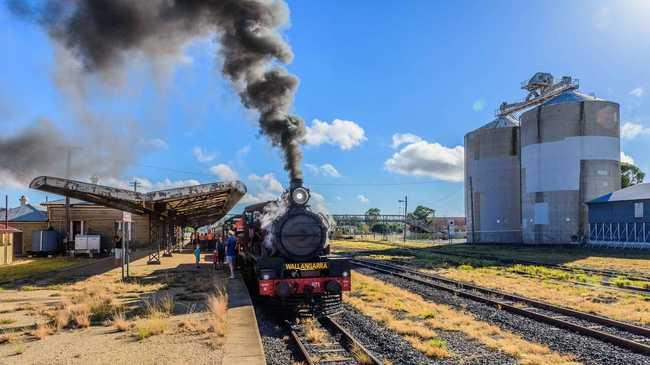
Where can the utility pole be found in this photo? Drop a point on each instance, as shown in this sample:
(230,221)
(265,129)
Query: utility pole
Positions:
(67,198)
(6,241)
(406,204)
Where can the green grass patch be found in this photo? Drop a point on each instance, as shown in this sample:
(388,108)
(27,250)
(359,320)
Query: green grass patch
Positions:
(36,267)
(6,321)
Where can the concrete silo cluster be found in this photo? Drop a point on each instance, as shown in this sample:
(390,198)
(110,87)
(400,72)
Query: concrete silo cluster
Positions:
(529,172)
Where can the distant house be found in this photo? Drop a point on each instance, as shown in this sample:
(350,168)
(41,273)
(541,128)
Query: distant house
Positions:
(93,219)
(621,218)
(26,219)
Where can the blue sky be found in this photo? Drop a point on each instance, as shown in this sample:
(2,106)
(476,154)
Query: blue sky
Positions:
(369,70)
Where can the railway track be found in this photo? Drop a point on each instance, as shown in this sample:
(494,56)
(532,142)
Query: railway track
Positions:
(323,341)
(621,334)
(611,274)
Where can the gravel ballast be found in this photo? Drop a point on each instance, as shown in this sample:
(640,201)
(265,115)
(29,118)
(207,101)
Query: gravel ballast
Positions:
(584,349)
(386,344)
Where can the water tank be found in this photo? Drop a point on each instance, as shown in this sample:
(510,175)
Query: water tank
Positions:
(570,151)
(492,182)
(45,241)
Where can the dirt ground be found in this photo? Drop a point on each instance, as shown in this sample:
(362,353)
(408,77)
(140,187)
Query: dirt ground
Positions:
(165,315)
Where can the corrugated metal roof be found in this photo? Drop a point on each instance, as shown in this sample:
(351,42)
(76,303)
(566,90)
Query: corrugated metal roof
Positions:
(8,229)
(502,122)
(196,206)
(634,192)
(73,201)
(571,96)
(24,213)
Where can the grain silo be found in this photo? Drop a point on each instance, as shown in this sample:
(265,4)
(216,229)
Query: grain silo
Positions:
(492,182)
(570,151)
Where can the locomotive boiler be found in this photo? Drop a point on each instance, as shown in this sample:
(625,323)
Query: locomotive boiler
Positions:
(284,254)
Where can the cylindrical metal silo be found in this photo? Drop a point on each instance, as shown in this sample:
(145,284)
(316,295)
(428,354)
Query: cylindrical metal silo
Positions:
(492,182)
(570,151)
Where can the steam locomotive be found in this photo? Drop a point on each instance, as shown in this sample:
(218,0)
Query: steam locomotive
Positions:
(284,255)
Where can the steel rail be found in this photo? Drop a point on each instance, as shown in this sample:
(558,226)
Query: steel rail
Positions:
(507,302)
(346,341)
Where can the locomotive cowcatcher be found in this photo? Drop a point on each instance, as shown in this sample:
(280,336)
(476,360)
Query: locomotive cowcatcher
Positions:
(285,258)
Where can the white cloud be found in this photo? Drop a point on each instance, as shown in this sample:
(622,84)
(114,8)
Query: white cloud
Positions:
(325,169)
(478,105)
(265,187)
(363,199)
(154,144)
(342,133)
(631,130)
(638,92)
(403,138)
(626,158)
(203,155)
(146,185)
(224,172)
(330,170)
(428,159)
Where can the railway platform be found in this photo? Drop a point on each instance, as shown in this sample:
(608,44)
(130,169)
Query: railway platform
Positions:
(243,342)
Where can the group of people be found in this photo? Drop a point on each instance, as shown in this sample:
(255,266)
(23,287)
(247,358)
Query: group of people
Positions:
(207,239)
(225,249)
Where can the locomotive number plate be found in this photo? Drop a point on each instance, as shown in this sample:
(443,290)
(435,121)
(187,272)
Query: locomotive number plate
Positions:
(306,266)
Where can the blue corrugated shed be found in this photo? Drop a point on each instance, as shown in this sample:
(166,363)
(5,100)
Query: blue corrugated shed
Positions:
(619,206)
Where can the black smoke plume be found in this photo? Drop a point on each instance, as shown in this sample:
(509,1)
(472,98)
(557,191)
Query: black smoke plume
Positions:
(103,33)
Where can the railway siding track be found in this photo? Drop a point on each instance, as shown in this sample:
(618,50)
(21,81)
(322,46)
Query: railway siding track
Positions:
(625,335)
(605,273)
(336,347)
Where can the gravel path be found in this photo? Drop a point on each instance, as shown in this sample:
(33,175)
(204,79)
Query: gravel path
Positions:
(585,349)
(380,340)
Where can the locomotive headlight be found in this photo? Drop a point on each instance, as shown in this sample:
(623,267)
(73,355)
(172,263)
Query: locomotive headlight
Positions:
(300,196)
(344,273)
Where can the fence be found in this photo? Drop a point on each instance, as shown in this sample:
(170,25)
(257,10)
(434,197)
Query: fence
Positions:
(619,234)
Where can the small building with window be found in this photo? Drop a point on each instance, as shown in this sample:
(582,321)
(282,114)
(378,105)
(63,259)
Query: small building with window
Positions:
(26,219)
(621,218)
(93,219)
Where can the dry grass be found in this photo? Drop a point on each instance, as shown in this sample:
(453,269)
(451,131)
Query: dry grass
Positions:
(160,305)
(618,305)
(217,313)
(360,356)
(151,327)
(404,312)
(120,323)
(8,337)
(313,332)
(43,330)
(62,318)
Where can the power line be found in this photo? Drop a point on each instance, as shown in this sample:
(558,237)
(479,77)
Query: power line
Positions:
(196,173)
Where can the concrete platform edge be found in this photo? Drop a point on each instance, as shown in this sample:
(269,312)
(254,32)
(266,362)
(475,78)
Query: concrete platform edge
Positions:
(243,342)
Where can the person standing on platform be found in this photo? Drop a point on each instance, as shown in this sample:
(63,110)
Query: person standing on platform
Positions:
(231,252)
(197,256)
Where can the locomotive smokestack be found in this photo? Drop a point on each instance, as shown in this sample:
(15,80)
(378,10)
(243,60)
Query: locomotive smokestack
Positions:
(295,183)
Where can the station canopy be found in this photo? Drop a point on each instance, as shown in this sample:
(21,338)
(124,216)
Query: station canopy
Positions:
(196,205)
